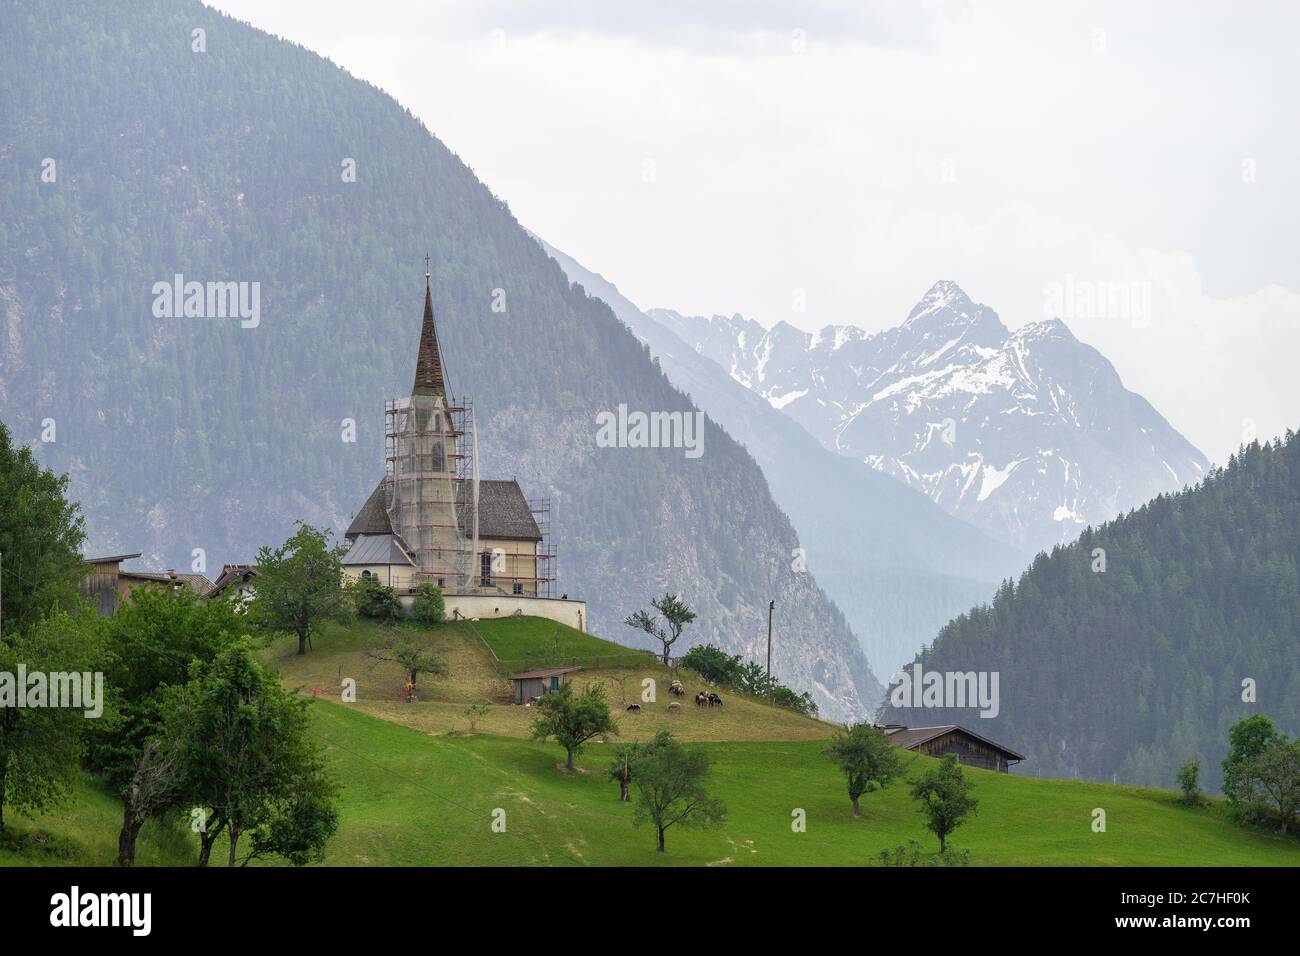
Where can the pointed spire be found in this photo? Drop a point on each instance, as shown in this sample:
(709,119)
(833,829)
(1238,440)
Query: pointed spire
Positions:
(428,361)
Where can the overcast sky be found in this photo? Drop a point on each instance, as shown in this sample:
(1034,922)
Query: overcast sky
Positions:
(751,156)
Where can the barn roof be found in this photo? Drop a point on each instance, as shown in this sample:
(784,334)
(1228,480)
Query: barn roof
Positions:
(544,672)
(502,512)
(909,738)
(197,583)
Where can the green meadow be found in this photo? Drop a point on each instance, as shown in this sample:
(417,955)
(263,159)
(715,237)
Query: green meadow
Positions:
(420,787)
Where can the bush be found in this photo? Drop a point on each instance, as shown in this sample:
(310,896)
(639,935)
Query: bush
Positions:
(376,601)
(428,606)
(726,670)
(910,855)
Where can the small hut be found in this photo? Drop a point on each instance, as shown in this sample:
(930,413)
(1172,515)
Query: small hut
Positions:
(532,684)
(970,748)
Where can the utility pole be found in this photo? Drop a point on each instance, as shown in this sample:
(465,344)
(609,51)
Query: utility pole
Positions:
(771,606)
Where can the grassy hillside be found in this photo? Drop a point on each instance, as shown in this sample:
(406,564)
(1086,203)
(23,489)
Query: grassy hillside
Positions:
(83,832)
(412,798)
(472,679)
(419,788)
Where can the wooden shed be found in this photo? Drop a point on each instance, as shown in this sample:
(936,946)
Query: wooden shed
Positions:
(532,684)
(971,748)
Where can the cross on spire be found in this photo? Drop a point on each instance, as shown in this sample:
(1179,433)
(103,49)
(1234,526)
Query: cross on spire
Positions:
(426,265)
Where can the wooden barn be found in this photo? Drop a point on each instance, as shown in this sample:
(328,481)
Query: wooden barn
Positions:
(106,585)
(970,747)
(532,684)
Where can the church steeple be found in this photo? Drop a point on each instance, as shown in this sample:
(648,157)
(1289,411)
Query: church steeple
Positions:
(428,362)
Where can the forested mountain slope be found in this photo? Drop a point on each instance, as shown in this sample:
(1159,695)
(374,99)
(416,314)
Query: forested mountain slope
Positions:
(895,562)
(231,164)
(1125,673)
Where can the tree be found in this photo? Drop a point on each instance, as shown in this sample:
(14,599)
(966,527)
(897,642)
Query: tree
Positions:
(150,644)
(411,654)
(41,534)
(244,753)
(713,664)
(154,788)
(1273,780)
(427,606)
(676,615)
(1189,775)
(669,780)
(573,719)
(945,798)
(867,759)
(299,585)
(620,768)
(474,712)
(1247,738)
(41,741)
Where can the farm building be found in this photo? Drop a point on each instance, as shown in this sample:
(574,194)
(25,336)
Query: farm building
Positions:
(535,683)
(236,579)
(970,747)
(106,584)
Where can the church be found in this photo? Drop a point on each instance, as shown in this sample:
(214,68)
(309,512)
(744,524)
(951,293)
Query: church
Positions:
(432,519)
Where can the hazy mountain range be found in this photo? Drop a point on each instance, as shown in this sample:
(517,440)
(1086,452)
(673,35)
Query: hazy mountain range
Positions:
(1029,435)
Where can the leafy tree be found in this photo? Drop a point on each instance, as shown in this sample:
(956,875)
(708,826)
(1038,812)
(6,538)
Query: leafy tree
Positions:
(41,534)
(713,664)
(620,768)
(573,719)
(411,653)
(1189,775)
(427,606)
(1247,739)
(1270,787)
(676,615)
(150,644)
(374,600)
(244,753)
(300,585)
(40,746)
(669,780)
(945,798)
(867,759)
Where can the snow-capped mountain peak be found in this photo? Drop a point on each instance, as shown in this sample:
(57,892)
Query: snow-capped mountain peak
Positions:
(1029,434)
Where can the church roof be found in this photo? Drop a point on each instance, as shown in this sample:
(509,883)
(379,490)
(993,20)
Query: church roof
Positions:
(428,360)
(378,549)
(502,512)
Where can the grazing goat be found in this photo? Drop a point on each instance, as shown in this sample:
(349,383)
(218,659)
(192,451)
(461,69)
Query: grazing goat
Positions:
(701,699)
(636,707)
(714,700)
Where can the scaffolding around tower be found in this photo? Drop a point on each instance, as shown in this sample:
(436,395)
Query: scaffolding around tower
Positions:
(429,479)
